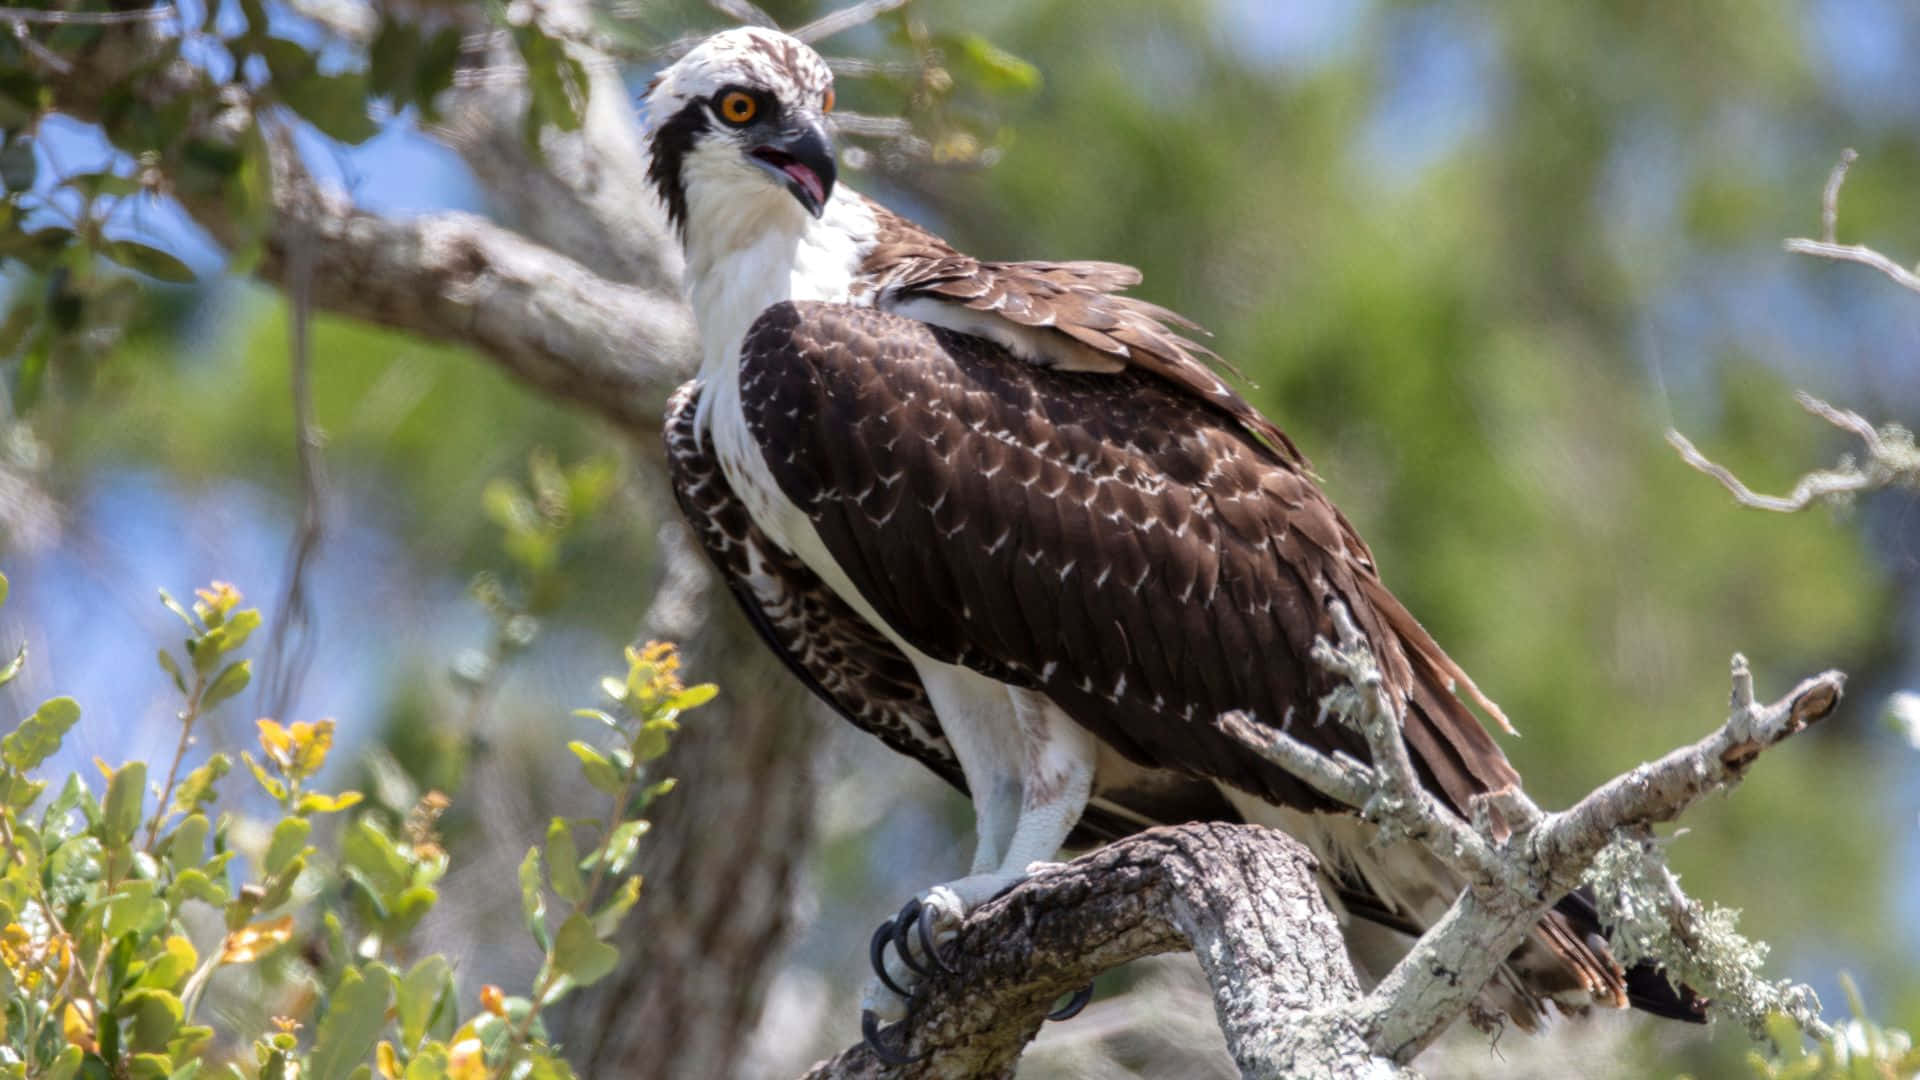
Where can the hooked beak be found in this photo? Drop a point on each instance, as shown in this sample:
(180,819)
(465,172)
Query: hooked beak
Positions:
(802,158)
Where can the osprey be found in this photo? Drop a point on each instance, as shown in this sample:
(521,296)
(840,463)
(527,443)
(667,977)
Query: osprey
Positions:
(1011,522)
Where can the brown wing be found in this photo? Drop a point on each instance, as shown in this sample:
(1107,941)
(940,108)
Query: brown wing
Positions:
(836,653)
(1077,302)
(1109,539)
(830,648)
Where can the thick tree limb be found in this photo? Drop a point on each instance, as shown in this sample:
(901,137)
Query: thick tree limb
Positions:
(616,349)
(1243,898)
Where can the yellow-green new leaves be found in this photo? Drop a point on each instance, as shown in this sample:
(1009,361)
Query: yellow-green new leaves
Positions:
(564,860)
(126,787)
(296,752)
(39,735)
(533,903)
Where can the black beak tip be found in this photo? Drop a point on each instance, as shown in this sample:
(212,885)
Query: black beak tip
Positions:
(804,159)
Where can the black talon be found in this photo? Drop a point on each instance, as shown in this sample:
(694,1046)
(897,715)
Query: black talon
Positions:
(1073,1006)
(925,926)
(870,1034)
(903,925)
(877,956)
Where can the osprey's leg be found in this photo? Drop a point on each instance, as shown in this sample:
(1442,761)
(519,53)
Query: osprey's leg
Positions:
(1035,768)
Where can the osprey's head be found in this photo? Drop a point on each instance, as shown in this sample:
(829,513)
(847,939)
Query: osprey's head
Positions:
(739,127)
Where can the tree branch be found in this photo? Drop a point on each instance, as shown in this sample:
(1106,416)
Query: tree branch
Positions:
(1828,246)
(1244,899)
(1893,460)
(1519,861)
(616,349)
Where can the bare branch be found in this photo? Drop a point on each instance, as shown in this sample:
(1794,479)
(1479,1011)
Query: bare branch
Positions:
(839,22)
(1244,899)
(1892,460)
(46,17)
(1519,861)
(1829,247)
(742,11)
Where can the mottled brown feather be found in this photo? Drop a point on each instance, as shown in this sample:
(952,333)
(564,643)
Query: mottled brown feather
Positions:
(1078,300)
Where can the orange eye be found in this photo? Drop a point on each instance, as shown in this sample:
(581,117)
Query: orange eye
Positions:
(826,103)
(738,107)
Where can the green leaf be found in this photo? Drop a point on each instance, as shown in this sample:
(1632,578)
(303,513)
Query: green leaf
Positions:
(391,59)
(194,883)
(372,857)
(56,821)
(134,909)
(607,919)
(20,322)
(993,68)
(66,1066)
(187,845)
(558,81)
(424,989)
(601,715)
(172,667)
(289,840)
(533,903)
(125,792)
(167,601)
(563,862)
(336,104)
(653,739)
(12,669)
(187,1044)
(150,261)
(266,780)
(600,772)
(354,1017)
(39,735)
(171,965)
(239,626)
(434,73)
(314,802)
(197,788)
(19,166)
(693,697)
(408,908)
(624,842)
(233,679)
(73,868)
(656,789)
(95,184)
(579,954)
(156,1015)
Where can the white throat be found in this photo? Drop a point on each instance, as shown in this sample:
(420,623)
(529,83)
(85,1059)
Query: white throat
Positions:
(745,255)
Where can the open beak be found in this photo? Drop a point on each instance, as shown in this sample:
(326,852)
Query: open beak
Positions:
(802,157)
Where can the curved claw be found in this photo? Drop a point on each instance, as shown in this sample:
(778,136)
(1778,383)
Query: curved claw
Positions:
(1073,1006)
(903,925)
(870,1034)
(925,927)
(877,956)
